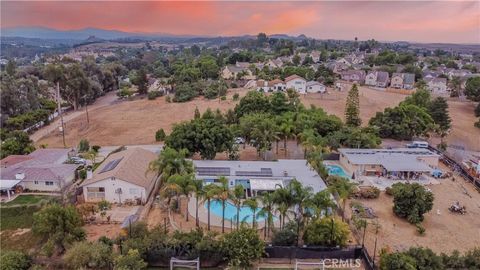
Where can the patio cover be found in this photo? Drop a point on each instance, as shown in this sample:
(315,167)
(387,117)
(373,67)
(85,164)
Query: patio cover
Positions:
(404,164)
(8,184)
(265,184)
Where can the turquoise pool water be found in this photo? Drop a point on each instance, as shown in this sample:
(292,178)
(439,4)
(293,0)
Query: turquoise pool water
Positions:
(246,215)
(337,170)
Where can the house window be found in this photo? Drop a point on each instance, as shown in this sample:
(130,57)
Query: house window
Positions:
(35,182)
(94,193)
(134,191)
(48,183)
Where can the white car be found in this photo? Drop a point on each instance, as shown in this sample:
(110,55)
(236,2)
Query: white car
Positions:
(239,140)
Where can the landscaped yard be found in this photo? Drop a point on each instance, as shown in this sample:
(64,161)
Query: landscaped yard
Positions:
(26,199)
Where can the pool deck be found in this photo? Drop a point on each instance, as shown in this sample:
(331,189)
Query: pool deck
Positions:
(214,219)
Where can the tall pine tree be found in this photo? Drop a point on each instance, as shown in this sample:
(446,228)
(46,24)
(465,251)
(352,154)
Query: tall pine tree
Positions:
(352,108)
(438,110)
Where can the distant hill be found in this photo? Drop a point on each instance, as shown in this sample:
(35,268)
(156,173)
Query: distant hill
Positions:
(49,33)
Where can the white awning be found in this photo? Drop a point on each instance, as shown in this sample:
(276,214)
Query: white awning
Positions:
(8,184)
(265,184)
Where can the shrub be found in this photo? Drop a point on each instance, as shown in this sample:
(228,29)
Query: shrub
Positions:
(154,94)
(125,93)
(233,85)
(14,260)
(83,255)
(326,232)
(168,99)
(367,193)
(236,96)
(223,98)
(83,146)
(96,148)
(131,260)
(243,247)
(411,201)
(82,174)
(287,236)
(420,229)
(160,135)
(389,191)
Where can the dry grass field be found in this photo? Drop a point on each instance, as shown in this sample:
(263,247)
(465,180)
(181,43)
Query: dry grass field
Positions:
(445,231)
(135,122)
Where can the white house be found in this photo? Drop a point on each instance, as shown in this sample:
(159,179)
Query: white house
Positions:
(437,85)
(315,87)
(277,85)
(357,76)
(296,82)
(403,80)
(122,176)
(262,86)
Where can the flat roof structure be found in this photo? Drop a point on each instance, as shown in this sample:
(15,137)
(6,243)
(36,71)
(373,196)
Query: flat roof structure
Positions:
(262,175)
(398,159)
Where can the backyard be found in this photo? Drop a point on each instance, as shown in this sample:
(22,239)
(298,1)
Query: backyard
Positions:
(445,231)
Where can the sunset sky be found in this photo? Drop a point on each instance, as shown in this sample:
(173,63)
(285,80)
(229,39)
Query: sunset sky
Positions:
(455,22)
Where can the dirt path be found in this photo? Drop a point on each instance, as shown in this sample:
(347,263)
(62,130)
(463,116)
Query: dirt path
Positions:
(106,100)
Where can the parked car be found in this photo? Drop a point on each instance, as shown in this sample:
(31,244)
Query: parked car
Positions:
(78,160)
(239,140)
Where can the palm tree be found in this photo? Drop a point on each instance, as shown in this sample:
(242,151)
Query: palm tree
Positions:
(170,162)
(237,196)
(321,202)
(302,198)
(343,188)
(267,211)
(208,195)
(222,193)
(181,185)
(197,186)
(282,197)
(286,128)
(252,204)
(310,141)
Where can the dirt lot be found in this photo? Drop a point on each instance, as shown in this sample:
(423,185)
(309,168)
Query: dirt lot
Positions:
(445,231)
(135,122)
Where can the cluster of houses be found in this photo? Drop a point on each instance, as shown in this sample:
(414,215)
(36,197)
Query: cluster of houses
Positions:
(295,82)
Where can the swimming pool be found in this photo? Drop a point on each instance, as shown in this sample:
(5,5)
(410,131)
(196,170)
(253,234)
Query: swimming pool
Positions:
(337,170)
(246,215)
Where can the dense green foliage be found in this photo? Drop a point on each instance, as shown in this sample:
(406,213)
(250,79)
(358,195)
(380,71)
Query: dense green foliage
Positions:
(207,135)
(84,254)
(326,232)
(14,260)
(411,201)
(60,225)
(243,247)
(15,143)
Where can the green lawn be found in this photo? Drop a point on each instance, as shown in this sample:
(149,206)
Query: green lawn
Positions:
(26,200)
(12,218)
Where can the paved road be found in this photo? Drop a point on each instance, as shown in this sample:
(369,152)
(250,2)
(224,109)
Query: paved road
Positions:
(106,100)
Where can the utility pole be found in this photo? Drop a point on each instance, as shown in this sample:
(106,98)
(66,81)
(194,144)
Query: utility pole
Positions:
(59,105)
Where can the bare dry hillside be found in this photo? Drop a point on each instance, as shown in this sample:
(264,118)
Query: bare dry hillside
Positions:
(135,122)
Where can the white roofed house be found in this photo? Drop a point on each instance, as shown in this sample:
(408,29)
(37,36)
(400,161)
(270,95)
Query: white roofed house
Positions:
(437,85)
(371,78)
(258,176)
(315,87)
(262,86)
(122,176)
(397,80)
(296,82)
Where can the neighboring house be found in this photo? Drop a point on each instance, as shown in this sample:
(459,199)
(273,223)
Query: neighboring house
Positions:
(263,86)
(357,76)
(277,85)
(315,56)
(437,85)
(315,87)
(403,163)
(42,170)
(274,63)
(231,72)
(296,82)
(377,78)
(122,176)
(403,80)
(397,80)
